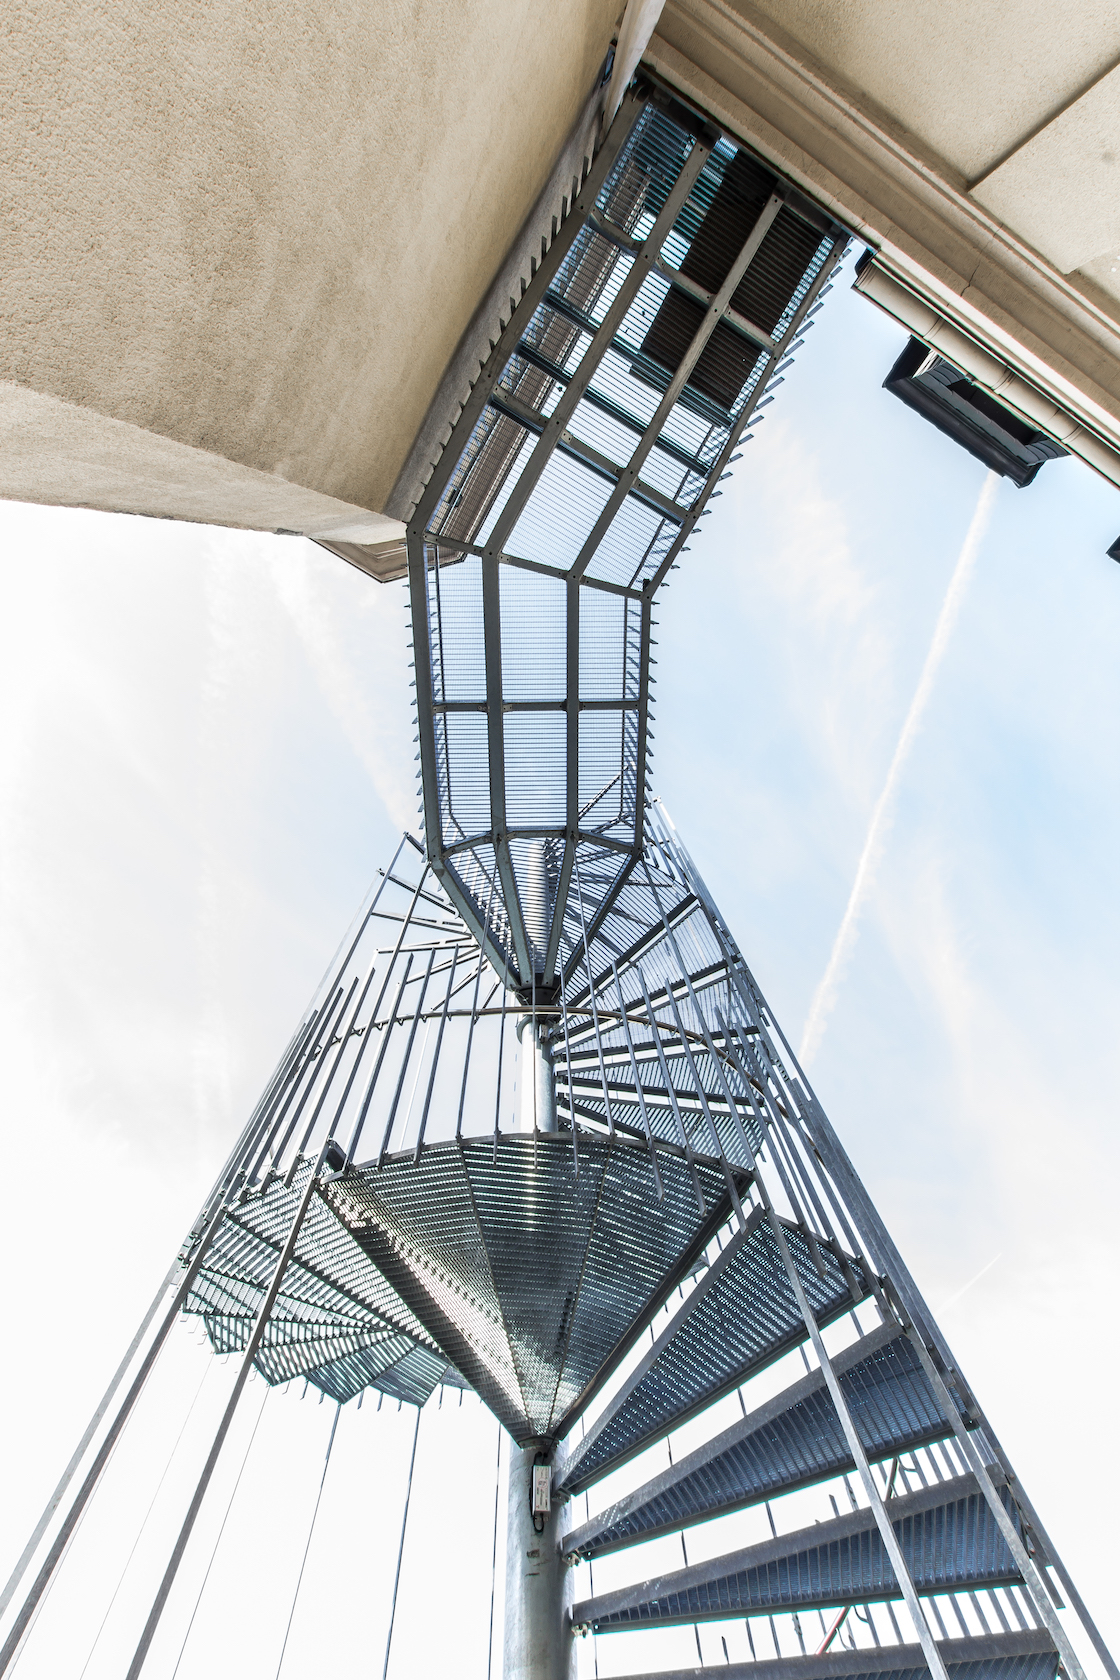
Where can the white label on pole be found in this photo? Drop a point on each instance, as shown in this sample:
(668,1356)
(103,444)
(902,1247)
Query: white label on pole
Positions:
(542,1490)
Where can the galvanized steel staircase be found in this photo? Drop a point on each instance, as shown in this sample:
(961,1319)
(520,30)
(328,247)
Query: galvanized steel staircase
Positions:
(791,1442)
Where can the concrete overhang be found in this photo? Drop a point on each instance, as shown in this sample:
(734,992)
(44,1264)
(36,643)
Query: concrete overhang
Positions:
(954,266)
(241,245)
(251,274)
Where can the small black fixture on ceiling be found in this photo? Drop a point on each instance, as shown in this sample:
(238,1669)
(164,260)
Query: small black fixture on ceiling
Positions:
(961,409)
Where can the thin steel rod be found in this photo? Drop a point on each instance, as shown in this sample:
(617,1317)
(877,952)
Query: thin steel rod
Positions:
(104,1452)
(209,1366)
(495,736)
(323,1024)
(536,1050)
(404,1064)
(669,1087)
(571,1092)
(474,1019)
(287,1074)
(367,1034)
(246,1366)
(501,1054)
(345,1035)
(338,969)
(641,748)
(336,1060)
(221,1530)
(857,1293)
(854,1243)
(782,1133)
(80,1450)
(420,619)
(371,1084)
(494,1555)
(428,897)
(360,920)
(367,1098)
(639,1092)
(400,1549)
(779,1163)
(683,966)
(571,775)
(594,1004)
(406,1115)
(729,1177)
(833,1630)
(435,1063)
(310,1536)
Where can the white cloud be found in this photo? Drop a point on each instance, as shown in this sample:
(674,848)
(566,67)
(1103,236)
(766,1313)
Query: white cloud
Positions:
(824,997)
(368,704)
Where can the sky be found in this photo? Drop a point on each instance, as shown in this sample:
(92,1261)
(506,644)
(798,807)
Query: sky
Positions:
(206,752)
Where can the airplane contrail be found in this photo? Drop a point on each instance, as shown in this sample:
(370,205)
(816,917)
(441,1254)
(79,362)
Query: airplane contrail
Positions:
(825,995)
(951,1300)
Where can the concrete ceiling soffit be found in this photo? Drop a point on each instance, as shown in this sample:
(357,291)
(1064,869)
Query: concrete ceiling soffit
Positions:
(1061,189)
(873,181)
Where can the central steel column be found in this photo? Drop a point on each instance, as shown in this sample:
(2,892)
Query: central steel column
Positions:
(538,1077)
(537,1641)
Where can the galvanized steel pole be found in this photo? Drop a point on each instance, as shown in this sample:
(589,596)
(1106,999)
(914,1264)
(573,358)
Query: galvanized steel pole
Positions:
(538,1076)
(537,1636)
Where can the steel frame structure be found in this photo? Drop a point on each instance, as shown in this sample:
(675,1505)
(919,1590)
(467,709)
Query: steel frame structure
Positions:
(393,1217)
(690,1156)
(590,445)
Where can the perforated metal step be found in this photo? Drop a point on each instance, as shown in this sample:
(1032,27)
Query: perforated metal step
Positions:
(792,1441)
(337,1321)
(742,1317)
(532,1281)
(401,1372)
(948,1535)
(1027,1655)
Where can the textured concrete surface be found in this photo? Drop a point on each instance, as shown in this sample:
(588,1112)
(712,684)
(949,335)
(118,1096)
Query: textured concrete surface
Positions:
(1061,333)
(1061,188)
(261,230)
(969,79)
(66,456)
(271,234)
(1010,98)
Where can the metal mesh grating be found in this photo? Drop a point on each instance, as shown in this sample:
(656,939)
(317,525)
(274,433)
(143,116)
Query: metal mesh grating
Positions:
(791,1442)
(1026,1655)
(598,428)
(948,1536)
(530,1278)
(742,1318)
